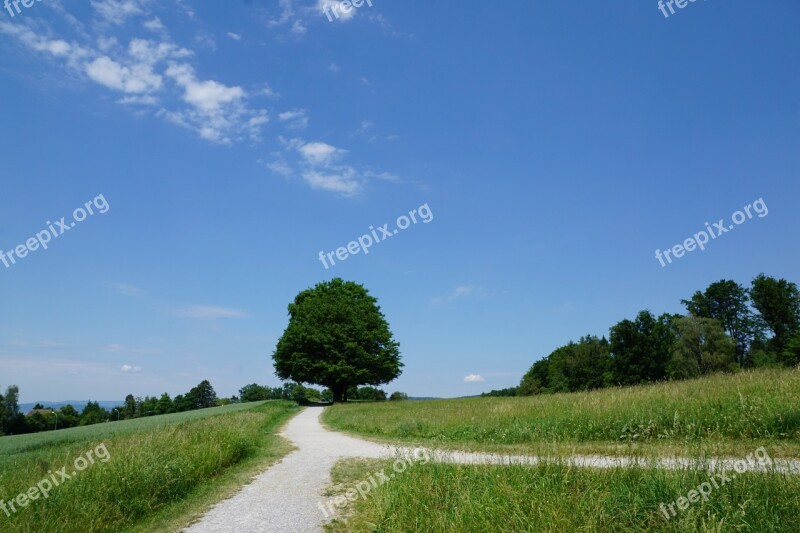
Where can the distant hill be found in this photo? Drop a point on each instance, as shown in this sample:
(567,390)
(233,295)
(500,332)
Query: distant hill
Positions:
(77,404)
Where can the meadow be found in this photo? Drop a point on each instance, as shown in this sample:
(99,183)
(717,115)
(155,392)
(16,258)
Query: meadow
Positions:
(450,498)
(719,414)
(161,472)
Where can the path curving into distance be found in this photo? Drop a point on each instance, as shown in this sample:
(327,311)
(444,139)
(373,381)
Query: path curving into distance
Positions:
(286,496)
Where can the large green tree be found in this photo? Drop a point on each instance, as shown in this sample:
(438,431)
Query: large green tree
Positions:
(337,337)
(727,302)
(778,302)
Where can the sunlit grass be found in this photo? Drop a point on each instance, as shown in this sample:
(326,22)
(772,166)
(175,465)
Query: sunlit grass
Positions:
(152,465)
(448,498)
(717,414)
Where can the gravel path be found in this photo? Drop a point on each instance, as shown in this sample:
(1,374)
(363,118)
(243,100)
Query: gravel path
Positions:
(286,497)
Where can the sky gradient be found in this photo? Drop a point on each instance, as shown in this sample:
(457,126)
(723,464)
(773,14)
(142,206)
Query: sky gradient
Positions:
(556,144)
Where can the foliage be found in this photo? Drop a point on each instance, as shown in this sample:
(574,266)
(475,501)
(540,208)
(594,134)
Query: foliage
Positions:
(778,302)
(728,302)
(337,337)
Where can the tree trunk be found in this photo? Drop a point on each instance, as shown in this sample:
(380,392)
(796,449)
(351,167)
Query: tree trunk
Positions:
(339,392)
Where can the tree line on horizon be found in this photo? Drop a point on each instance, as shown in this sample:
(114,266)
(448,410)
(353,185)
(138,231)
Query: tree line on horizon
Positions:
(14,422)
(727,328)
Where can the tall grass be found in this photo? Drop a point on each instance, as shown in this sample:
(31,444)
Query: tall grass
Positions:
(148,470)
(457,498)
(759,406)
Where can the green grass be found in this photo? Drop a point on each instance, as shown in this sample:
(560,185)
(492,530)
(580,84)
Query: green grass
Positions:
(457,498)
(721,414)
(162,471)
(20,443)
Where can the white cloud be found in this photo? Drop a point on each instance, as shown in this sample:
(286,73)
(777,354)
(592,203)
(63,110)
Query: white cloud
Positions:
(209,311)
(154,24)
(208,96)
(319,153)
(473,378)
(130,368)
(344,183)
(287,12)
(267,91)
(297,119)
(72,52)
(234,36)
(118,11)
(139,79)
(218,112)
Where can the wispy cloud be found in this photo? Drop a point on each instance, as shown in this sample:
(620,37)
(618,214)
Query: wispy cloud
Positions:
(473,378)
(462,291)
(297,119)
(131,368)
(125,289)
(322,167)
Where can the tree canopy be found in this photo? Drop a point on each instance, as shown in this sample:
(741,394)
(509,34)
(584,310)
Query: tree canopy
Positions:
(337,337)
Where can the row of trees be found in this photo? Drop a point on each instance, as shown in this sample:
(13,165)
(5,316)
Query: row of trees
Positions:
(302,394)
(199,397)
(727,327)
(13,422)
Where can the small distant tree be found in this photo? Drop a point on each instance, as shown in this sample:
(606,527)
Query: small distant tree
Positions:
(164,405)
(183,403)
(149,406)
(130,409)
(337,337)
(203,395)
(68,417)
(254,393)
(398,396)
(37,422)
(371,394)
(93,414)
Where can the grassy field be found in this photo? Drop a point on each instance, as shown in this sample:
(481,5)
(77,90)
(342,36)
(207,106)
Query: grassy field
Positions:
(721,414)
(158,474)
(455,498)
(20,443)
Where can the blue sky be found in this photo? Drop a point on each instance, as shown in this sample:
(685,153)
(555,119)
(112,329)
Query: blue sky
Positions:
(557,145)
